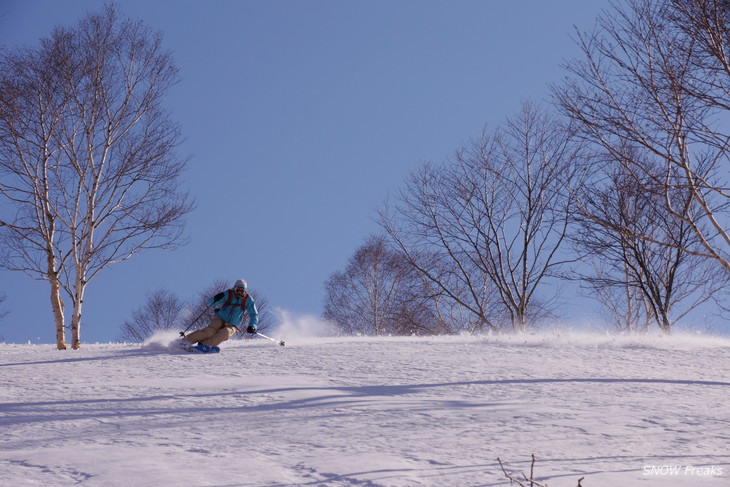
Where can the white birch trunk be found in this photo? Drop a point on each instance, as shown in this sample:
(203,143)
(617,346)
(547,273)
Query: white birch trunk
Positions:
(57,306)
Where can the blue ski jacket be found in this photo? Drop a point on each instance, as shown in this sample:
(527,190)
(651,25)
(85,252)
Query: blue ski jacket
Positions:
(231,309)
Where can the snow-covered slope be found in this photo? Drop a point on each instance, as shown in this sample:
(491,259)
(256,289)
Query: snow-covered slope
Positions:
(619,411)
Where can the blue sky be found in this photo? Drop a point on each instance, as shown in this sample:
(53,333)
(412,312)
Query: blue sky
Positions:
(300,118)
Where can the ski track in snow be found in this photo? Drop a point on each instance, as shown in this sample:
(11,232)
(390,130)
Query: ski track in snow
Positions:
(619,411)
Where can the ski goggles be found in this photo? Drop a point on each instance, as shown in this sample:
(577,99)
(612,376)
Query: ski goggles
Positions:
(239,291)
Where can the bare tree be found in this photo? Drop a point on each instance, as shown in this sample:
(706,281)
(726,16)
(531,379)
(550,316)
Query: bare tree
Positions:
(421,222)
(3,313)
(654,75)
(33,83)
(162,310)
(654,280)
(379,293)
(88,155)
(486,228)
(627,307)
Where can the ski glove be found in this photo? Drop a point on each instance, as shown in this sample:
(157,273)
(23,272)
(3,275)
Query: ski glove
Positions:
(218,297)
(251,329)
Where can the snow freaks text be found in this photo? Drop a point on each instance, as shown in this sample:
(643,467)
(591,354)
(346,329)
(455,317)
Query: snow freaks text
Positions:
(683,470)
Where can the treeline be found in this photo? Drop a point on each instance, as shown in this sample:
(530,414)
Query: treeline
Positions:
(619,183)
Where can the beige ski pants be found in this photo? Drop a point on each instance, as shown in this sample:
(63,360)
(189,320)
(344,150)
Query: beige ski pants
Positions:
(217,332)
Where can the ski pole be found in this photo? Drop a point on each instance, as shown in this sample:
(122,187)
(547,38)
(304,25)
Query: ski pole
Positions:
(182,333)
(269,338)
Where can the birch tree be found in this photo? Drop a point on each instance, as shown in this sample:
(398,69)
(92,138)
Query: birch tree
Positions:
(379,293)
(96,180)
(650,282)
(33,100)
(486,227)
(655,74)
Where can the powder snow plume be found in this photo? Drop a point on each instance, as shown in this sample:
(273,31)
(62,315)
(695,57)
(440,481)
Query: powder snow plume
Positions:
(567,338)
(294,326)
(162,341)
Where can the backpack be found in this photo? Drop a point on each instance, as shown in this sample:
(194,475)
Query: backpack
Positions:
(230,300)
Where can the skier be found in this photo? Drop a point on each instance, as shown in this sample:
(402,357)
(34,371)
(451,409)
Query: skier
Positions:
(227,319)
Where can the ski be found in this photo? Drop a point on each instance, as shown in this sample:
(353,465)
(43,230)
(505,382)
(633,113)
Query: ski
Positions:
(189,347)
